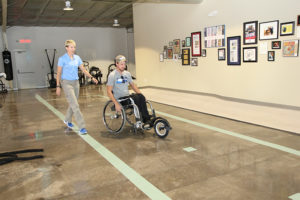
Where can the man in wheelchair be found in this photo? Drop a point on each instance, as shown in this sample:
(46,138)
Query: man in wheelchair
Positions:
(117,88)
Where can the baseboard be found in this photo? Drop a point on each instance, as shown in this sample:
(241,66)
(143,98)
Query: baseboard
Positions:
(252,102)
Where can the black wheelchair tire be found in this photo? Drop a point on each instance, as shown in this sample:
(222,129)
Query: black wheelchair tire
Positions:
(130,117)
(118,129)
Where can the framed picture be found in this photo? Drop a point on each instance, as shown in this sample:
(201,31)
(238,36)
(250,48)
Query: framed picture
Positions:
(268,30)
(196,44)
(276,44)
(298,20)
(161,57)
(203,52)
(165,52)
(250,32)
(221,54)
(214,36)
(290,48)
(194,62)
(175,56)
(234,50)
(250,54)
(176,46)
(170,53)
(185,57)
(271,55)
(182,43)
(188,41)
(287,28)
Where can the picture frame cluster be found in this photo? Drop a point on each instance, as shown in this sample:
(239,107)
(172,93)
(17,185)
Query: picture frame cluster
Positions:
(254,32)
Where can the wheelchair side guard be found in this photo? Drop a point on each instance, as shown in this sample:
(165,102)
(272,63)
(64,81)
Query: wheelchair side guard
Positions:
(151,108)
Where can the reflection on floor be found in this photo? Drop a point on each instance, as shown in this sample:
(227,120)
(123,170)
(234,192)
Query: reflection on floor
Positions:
(221,167)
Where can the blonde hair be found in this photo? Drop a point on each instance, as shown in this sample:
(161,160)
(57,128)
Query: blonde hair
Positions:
(120,58)
(68,42)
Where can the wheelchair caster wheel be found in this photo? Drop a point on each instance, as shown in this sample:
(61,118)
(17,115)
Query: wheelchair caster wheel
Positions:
(161,128)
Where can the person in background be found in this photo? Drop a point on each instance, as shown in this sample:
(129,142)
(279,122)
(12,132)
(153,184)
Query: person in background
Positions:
(67,78)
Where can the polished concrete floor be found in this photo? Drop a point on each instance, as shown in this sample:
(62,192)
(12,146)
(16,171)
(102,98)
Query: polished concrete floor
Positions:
(221,167)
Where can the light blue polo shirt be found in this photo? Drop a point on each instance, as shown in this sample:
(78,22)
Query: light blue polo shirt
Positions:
(69,66)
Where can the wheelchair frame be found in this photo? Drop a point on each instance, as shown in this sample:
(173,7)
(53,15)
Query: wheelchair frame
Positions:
(133,117)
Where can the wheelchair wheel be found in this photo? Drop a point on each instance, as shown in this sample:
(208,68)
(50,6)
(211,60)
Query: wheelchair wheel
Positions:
(130,117)
(113,120)
(161,128)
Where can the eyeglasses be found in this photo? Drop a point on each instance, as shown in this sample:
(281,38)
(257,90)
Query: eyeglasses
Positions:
(123,79)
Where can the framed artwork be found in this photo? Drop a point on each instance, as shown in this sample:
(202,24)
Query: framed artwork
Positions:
(221,54)
(276,44)
(250,32)
(250,54)
(196,44)
(176,46)
(170,53)
(185,57)
(271,55)
(298,20)
(203,52)
(161,57)
(165,52)
(183,43)
(214,36)
(175,56)
(194,62)
(268,30)
(290,48)
(234,50)
(287,28)
(188,41)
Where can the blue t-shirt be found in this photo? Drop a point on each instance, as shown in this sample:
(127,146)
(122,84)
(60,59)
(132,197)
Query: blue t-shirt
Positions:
(69,67)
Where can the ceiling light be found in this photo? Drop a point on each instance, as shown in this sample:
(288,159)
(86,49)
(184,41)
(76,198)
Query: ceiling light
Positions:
(213,13)
(68,6)
(116,23)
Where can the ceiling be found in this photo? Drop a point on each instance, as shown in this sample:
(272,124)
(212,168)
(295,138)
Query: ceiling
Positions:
(86,13)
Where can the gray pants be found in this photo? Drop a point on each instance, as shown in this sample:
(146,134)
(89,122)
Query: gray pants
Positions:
(71,90)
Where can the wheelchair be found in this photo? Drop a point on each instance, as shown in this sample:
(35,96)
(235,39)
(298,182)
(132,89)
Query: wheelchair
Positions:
(115,121)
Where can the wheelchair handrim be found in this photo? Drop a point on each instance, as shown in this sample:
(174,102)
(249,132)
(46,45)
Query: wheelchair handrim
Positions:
(113,115)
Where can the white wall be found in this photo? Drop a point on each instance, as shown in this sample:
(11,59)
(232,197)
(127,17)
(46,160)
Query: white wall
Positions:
(99,46)
(156,24)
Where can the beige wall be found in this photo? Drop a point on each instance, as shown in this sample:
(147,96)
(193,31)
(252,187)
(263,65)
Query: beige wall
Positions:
(157,24)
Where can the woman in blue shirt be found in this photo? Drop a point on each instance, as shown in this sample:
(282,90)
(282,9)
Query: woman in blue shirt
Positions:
(67,78)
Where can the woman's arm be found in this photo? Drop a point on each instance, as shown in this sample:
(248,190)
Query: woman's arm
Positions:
(88,74)
(58,76)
